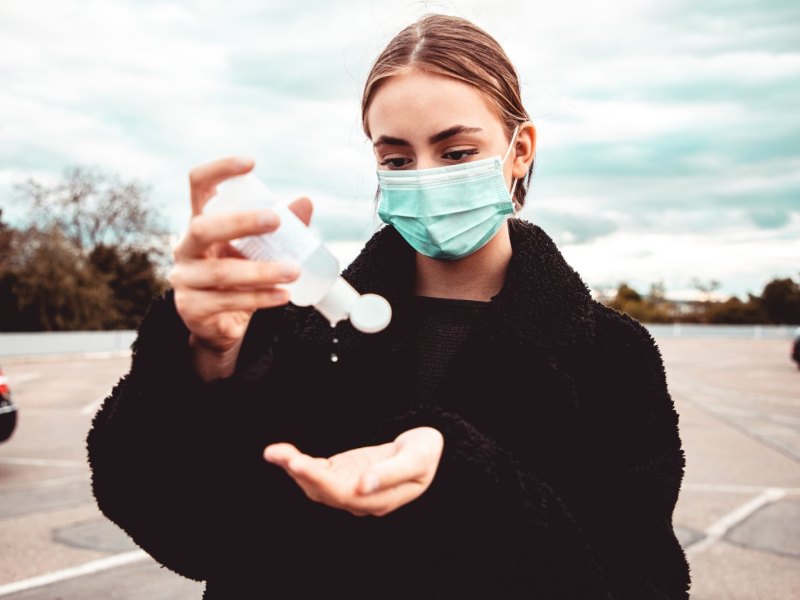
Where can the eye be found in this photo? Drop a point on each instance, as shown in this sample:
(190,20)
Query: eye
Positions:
(395,163)
(459,154)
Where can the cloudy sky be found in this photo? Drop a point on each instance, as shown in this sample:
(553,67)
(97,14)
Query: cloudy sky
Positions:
(668,130)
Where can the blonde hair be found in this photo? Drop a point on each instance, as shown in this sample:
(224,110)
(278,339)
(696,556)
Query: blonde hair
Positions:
(454,47)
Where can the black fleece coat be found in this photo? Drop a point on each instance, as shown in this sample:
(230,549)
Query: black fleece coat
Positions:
(561,465)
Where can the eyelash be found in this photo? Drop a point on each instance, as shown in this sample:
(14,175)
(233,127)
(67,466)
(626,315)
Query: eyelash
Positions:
(464,152)
(391,161)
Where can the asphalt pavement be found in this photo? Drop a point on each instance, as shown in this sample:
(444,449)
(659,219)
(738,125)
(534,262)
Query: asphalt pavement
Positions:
(738,515)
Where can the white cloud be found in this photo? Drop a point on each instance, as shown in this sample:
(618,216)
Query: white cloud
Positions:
(743,260)
(150,89)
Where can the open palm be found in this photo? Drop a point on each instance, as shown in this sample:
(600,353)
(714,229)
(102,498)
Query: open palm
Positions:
(373,480)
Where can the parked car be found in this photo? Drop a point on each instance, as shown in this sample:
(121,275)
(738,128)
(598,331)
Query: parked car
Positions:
(796,347)
(8,412)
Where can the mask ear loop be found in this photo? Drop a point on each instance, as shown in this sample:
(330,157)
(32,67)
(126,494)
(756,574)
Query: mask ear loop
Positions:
(517,206)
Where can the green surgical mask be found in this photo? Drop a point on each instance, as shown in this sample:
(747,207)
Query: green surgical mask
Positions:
(448,212)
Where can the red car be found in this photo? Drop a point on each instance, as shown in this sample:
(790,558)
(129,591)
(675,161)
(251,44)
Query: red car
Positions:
(8,412)
(796,350)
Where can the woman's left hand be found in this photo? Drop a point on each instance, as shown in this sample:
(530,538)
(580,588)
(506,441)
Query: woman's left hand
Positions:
(374,480)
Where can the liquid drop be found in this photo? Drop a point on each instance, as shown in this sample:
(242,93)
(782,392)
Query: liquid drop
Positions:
(335,340)
(334,358)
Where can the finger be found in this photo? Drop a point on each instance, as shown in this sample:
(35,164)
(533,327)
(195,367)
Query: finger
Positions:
(205,230)
(311,467)
(203,180)
(231,273)
(304,469)
(316,474)
(326,488)
(199,305)
(281,452)
(303,208)
(407,465)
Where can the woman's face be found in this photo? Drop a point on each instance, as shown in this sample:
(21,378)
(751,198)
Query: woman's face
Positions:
(420,120)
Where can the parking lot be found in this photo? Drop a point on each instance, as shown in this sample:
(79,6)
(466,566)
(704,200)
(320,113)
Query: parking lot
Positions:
(738,514)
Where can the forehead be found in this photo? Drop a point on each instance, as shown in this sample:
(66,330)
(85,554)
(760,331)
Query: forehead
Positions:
(428,102)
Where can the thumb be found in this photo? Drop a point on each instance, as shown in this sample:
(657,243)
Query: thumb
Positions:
(303,208)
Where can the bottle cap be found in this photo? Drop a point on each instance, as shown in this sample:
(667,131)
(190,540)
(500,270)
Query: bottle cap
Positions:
(338,302)
(371,313)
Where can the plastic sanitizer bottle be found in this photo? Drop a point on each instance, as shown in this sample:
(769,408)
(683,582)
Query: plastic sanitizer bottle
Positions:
(318,283)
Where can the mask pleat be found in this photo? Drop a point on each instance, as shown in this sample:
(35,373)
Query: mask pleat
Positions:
(446,212)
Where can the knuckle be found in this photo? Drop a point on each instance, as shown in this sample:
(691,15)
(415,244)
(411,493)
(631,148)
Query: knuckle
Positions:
(196,177)
(179,303)
(228,331)
(273,297)
(266,271)
(219,273)
(241,220)
(173,276)
(198,228)
(182,305)
(177,247)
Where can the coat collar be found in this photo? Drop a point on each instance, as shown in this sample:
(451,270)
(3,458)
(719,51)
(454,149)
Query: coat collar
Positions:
(543,301)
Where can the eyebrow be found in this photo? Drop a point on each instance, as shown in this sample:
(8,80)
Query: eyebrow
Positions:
(434,139)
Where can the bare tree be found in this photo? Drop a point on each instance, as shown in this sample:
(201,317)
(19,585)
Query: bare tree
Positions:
(90,207)
(706,288)
(84,254)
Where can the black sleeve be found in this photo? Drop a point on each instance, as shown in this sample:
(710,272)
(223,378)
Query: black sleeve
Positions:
(170,455)
(606,534)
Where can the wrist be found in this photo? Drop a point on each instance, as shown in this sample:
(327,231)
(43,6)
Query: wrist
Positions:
(213,363)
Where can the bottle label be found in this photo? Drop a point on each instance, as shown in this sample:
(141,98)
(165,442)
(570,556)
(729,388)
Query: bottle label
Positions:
(292,241)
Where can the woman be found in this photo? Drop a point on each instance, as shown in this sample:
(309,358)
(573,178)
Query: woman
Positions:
(505,437)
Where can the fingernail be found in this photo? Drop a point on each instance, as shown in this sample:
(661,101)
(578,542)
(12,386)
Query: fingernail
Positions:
(287,270)
(370,483)
(267,218)
(243,162)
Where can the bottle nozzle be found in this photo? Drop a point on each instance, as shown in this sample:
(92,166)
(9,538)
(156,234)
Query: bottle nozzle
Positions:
(369,313)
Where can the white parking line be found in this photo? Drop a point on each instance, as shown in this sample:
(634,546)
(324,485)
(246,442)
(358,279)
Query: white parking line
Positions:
(734,488)
(45,483)
(23,378)
(41,462)
(720,527)
(48,412)
(774,431)
(704,392)
(94,566)
(751,414)
(92,407)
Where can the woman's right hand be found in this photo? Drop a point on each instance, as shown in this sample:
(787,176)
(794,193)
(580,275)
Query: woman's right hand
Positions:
(216,289)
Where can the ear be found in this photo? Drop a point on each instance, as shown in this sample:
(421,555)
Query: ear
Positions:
(524,149)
